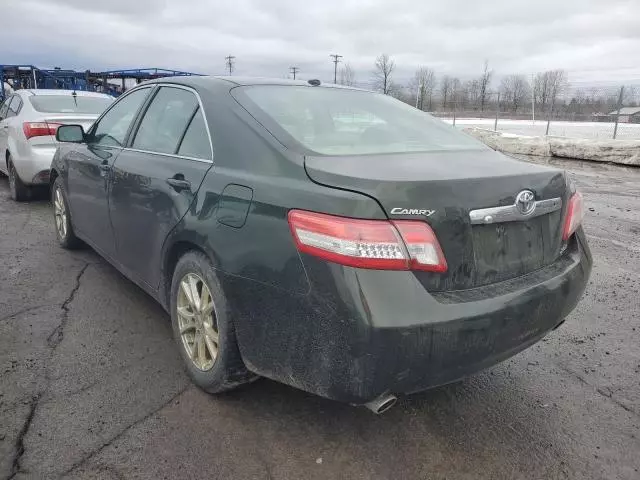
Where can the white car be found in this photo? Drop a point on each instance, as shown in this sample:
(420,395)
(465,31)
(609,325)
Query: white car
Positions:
(28,123)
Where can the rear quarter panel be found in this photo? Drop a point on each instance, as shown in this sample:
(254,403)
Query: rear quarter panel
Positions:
(261,255)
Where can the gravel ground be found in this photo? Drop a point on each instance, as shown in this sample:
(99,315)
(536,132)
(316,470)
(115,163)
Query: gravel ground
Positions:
(91,385)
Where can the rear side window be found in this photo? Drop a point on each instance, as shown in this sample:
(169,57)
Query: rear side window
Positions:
(336,121)
(69,104)
(15,106)
(166,120)
(196,142)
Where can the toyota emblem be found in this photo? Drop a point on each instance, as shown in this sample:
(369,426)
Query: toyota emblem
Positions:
(525,202)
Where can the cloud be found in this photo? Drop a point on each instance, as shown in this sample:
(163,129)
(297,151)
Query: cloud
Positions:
(592,40)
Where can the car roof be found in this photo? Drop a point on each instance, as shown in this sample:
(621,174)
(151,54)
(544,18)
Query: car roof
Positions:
(209,81)
(59,92)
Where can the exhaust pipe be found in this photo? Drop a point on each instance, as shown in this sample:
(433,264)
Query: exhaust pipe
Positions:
(381,404)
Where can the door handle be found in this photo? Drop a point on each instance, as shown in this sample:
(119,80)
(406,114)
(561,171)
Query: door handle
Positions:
(178,183)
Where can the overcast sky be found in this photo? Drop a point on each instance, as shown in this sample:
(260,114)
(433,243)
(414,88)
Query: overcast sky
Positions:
(596,41)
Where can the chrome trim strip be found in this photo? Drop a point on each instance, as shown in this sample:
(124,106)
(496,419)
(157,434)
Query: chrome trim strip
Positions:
(172,155)
(510,213)
(172,85)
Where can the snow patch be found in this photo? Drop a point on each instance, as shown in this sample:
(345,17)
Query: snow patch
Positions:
(625,152)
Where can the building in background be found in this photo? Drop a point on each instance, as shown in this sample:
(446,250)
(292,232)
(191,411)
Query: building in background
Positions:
(627,115)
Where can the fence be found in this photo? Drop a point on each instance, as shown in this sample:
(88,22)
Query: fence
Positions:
(592,112)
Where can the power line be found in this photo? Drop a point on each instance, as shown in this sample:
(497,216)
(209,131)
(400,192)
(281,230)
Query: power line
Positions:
(294,70)
(230,63)
(336,59)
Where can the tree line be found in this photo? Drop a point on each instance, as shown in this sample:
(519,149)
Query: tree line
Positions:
(546,91)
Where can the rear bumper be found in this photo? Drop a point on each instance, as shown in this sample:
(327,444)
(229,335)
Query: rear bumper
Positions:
(362,333)
(33,163)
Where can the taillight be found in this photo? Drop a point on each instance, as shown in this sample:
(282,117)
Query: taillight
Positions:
(39,129)
(375,244)
(575,214)
(423,246)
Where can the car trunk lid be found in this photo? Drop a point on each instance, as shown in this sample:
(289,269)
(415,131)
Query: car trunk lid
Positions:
(442,188)
(85,120)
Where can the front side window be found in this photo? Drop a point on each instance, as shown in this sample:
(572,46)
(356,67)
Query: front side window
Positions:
(166,120)
(196,142)
(335,121)
(113,126)
(70,104)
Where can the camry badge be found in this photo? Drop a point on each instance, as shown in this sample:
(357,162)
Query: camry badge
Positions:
(411,211)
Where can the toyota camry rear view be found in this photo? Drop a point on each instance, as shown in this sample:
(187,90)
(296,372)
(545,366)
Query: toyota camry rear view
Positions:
(333,239)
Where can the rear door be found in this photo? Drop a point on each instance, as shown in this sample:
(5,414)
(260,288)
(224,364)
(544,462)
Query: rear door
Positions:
(156,178)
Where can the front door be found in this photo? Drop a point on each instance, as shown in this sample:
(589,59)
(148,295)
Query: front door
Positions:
(90,167)
(156,179)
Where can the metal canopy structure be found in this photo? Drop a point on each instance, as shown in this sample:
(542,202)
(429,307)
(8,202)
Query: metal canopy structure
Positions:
(29,76)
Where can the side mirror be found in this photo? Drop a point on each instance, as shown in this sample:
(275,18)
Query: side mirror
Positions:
(70,133)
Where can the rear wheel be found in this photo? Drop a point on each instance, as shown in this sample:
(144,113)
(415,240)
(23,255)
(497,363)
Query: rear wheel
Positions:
(64,228)
(202,328)
(19,191)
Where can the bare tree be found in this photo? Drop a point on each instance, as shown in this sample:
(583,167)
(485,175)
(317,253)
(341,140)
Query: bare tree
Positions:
(472,88)
(547,86)
(514,90)
(456,93)
(445,90)
(422,85)
(382,74)
(630,95)
(484,82)
(347,76)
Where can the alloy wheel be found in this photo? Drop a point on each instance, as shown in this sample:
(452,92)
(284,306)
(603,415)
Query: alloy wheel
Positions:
(60,213)
(197,321)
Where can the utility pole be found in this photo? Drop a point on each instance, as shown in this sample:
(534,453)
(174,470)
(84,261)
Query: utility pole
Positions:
(230,61)
(336,59)
(294,70)
(620,98)
(495,125)
(533,99)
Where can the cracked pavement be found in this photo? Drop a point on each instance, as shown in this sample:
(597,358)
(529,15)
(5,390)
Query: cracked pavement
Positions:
(91,385)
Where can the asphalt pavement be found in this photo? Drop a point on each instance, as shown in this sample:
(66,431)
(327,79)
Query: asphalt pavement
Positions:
(91,385)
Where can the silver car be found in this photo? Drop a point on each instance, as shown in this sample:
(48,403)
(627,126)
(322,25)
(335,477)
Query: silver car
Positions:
(28,123)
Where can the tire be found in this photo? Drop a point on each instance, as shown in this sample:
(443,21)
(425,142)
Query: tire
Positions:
(19,191)
(224,369)
(62,218)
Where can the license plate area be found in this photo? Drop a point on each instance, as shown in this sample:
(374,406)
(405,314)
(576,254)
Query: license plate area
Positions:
(509,249)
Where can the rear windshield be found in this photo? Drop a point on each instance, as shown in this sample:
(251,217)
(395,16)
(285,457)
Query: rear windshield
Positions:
(334,121)
(69,104)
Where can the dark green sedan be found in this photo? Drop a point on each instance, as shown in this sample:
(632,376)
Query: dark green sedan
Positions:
(334,239)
